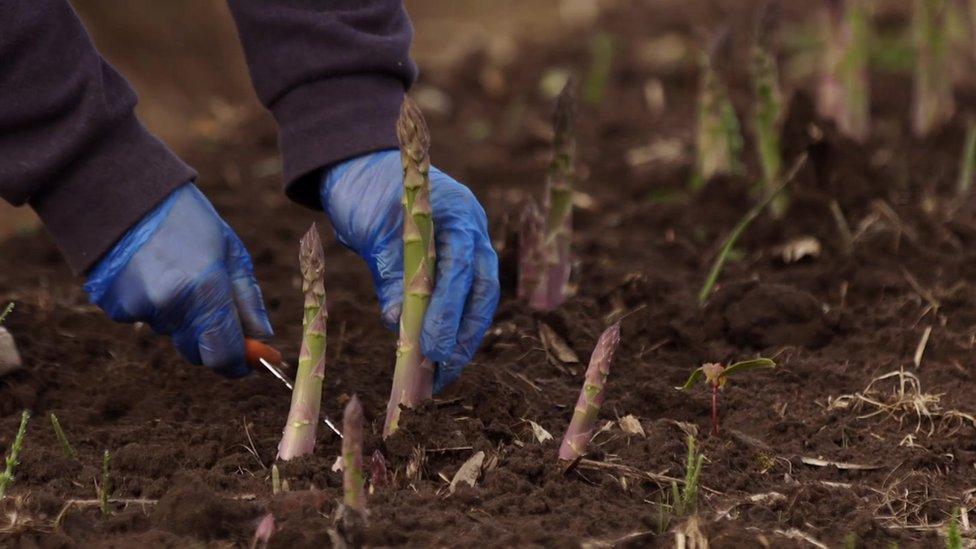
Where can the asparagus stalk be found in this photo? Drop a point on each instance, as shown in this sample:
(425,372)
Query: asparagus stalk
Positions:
(967,164)
(558,205)
(263,532)
(591,396)
(377,471)
(545,237)
(933,101)
(298,438)
(718,137)
(769,105)
(972,26)
(844,95)
(530,249)
(354,496)
(275,480)
(601,61)
(413,376)
(7,476)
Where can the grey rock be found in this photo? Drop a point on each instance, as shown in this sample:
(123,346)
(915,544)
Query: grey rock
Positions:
(10,360)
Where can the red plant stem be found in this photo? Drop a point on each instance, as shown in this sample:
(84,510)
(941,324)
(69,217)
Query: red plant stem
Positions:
(714,409)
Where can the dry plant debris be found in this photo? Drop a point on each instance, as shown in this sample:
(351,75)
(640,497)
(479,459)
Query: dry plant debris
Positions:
(904,401)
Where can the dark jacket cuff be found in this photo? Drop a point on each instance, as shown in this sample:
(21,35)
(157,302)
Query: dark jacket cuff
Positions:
(324,122)
(124,176)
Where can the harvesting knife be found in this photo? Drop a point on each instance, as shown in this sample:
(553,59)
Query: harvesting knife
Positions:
(278,373)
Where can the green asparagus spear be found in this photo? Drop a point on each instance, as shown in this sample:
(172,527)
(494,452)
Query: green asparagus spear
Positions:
(844,95)
(413,376)
(933,104)
(298,438)
(769,105)
(718,136)
(558,206)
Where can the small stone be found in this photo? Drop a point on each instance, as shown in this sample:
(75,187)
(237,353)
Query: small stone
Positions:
(433,100)
(10,360)
(631,425)
(469,472)
(799,248)
(654,96)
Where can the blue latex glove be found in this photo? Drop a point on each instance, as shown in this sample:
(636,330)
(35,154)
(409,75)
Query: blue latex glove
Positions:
(183,271)
(362,198)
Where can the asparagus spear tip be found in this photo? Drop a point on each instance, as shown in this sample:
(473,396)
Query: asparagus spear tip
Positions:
(591,396)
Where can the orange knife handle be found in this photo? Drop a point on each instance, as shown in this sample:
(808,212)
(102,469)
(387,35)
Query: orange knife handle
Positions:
(255,350)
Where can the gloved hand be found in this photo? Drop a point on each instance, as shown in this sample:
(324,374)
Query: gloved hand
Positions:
(183,271)
(362,198)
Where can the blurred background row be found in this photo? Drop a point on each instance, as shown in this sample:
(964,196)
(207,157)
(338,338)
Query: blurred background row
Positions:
(184,59)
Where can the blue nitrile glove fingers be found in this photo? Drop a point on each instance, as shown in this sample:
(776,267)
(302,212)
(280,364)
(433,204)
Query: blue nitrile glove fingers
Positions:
(476,318)
(362,198)
(364,207)
(183,271)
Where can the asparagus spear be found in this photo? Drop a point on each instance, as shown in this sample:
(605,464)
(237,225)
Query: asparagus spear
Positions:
(967,165)
(558,205)
(933,100)
(718,137)
(352,456)
(972,25)
(377,471)
(413,376)
(275,480)
(531,261)
(298,438)
(263,532)
(844,92)
(591,396)
(769,104)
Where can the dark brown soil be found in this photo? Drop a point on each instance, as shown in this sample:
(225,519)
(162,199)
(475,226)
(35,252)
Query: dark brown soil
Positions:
(196,449)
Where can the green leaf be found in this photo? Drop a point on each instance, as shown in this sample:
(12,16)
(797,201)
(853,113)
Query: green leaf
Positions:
(748,365)
(723,254)
(697,375)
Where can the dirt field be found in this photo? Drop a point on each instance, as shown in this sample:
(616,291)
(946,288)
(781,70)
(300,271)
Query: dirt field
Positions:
(862,438)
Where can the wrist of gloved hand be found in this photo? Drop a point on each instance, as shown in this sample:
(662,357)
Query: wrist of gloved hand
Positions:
(183,271)
(362,196)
